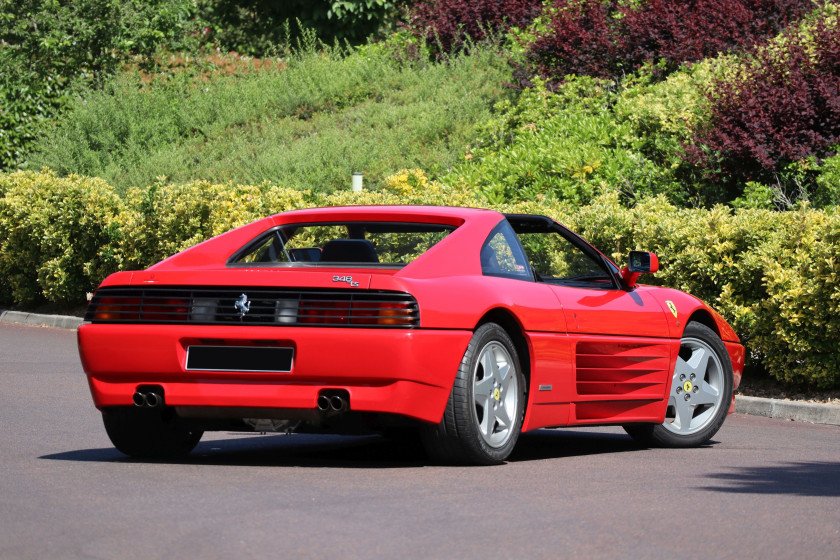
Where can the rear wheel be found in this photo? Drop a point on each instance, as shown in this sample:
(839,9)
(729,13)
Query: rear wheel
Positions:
(149,434)
(701,391)
(484,414)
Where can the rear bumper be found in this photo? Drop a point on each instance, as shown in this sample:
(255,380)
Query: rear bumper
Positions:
(407,372)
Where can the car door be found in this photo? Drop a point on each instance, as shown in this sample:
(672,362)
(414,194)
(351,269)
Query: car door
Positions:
(618,339)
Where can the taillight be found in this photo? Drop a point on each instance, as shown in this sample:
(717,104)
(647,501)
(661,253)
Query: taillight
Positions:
(169,309)
(383,313)
(116,309)
(324,312)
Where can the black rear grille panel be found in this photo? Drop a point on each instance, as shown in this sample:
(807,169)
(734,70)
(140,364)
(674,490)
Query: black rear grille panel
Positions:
(268,307)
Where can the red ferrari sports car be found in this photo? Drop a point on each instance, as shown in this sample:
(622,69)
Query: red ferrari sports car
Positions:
(470,324)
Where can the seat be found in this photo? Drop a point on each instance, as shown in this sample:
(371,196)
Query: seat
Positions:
(489,262)
(349,250)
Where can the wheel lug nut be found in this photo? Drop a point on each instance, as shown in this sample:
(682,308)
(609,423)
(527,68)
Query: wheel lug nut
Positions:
(696,388)
(687,396)
(679,390)
(693,376)
(682,377)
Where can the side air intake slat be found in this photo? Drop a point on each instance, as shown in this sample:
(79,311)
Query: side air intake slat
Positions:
(610,371)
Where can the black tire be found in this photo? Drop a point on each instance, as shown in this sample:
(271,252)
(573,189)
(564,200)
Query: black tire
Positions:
(694,419)
(478,429)
(149,434)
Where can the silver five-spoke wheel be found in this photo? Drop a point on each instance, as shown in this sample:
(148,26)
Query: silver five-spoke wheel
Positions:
(486,407)
(697,388)
(496,394)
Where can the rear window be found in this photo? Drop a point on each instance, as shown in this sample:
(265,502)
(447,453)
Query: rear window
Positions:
(387,244)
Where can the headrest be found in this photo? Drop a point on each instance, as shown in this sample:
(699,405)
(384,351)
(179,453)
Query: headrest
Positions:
(349,250)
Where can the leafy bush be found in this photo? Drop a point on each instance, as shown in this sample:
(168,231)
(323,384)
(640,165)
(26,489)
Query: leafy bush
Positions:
(49,49)
(448,23)
(260,27)
(777,108)
(163,219)
(808,180)
(580,40)
(796,327)
(89,37)
(609,38)
(567,145)
(410,181)
(761,121)
(692,30)
(661,116)
(828,181)
(59,238)
(27,101)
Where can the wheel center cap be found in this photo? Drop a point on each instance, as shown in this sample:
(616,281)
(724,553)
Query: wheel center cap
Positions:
(497,394)
(687,386)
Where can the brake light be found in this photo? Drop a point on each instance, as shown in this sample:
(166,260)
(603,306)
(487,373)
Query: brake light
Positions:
(135,309)
(116,309)
(169,309)
(381,313)
(324,312)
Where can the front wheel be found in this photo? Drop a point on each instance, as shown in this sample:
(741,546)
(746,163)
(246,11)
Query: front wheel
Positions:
(149,434)
(484,414)
(701,391)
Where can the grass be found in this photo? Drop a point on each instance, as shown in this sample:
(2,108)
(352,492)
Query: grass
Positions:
(307,123)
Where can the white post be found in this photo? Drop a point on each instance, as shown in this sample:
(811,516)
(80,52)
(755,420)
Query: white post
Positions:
(357,182)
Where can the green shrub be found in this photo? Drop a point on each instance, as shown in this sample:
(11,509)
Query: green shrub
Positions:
(90,38)
(309,122)
(775,112)
(608,38)
(828,181)
(259,27)
(568,144)
(451,25)
(163,219)
(27,101)
(58,237)
(808,180)
(50,49)
(797,328)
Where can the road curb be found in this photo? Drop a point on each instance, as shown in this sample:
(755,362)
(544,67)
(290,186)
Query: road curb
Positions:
(815,413)
(40,320)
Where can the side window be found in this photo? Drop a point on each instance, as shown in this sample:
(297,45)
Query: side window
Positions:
(269,250)
(502,255)
(559,261)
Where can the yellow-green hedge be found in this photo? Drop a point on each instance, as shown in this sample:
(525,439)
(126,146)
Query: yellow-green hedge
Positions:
(164,219)
(774,276)
(58,237)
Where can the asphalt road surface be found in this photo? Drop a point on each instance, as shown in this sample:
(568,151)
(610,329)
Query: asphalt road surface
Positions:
(762,489)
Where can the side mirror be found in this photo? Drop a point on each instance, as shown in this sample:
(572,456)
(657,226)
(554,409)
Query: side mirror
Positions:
(640,262)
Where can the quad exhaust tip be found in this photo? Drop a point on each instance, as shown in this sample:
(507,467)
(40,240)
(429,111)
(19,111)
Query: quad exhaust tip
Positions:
(149,399)
(337,403)
(323,403)
(333,402)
